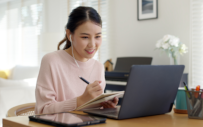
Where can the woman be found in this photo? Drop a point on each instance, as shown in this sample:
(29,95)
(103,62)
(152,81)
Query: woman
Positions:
(59,87)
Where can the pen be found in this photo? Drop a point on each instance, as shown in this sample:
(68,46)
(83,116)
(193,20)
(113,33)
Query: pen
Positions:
(186,88)
(84,80)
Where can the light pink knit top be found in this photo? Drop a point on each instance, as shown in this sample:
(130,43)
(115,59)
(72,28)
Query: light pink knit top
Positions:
(58,84)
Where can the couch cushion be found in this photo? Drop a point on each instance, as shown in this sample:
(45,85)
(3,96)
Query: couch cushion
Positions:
(31,81)
(8,82)
(23,72)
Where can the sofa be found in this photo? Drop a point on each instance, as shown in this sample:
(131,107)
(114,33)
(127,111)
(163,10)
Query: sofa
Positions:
(17,86)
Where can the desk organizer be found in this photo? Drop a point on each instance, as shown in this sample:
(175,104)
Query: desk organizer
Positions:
(194,104)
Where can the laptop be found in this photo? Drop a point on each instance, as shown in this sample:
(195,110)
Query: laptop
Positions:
(150,90)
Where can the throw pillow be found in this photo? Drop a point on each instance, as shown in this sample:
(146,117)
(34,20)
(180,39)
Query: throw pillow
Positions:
(24,72)
(3,74)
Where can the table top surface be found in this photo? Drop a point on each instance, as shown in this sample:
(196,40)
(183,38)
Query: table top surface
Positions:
(165,120)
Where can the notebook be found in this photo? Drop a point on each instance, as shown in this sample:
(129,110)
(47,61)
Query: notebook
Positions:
(95,103)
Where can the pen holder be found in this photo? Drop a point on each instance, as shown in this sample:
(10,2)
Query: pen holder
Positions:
(194,104)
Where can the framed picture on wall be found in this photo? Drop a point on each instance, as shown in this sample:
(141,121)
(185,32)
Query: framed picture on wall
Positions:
(147,9)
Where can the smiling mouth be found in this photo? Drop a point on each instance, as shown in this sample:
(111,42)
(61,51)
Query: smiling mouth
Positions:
(90,51)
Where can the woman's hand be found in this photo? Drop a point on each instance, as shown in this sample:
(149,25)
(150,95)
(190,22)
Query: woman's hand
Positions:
(110,104)
(92,90)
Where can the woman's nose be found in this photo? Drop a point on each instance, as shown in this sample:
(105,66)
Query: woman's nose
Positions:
(91,43)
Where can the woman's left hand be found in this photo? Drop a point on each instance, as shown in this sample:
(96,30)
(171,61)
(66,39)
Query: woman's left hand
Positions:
(110,104)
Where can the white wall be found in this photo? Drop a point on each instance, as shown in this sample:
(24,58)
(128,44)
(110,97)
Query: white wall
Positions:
(130,37)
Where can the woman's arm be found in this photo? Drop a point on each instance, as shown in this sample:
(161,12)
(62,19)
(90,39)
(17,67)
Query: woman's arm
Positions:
(46,102)
(46,91)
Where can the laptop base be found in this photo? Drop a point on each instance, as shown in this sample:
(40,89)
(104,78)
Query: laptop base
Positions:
(108,112)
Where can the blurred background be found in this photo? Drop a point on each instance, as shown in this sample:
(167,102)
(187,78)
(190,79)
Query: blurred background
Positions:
(29,29)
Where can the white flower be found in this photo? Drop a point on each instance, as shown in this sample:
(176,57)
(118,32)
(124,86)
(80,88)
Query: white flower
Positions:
(165,46)
(159,43)
(171,45)
(183,49)
(166,38)
(174,41)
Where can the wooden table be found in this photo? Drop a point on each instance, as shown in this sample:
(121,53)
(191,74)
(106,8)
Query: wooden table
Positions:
(167,120)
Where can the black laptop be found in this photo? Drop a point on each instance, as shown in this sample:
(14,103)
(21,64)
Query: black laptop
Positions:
(150,90)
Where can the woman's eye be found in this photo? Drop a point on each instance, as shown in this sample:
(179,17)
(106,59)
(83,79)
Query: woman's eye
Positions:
(84,37)
(98,36)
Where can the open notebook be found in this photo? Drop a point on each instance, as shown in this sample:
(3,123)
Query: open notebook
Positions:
(95,103)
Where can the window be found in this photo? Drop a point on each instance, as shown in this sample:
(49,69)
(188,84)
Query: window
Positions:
(20,24)
(196,57)
(30,29)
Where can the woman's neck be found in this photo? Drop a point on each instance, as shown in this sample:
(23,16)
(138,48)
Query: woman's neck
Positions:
(76,55)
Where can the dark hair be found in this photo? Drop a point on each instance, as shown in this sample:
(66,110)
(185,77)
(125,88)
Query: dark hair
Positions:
(77,17)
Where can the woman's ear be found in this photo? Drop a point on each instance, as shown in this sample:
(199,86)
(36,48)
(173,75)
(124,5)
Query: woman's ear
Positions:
(68,33)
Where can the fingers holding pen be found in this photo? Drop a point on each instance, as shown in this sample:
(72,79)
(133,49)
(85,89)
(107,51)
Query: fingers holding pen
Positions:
(92,90)
(95,86)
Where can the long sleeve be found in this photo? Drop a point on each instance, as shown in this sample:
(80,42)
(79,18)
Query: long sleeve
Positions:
(46,102)
(46,95)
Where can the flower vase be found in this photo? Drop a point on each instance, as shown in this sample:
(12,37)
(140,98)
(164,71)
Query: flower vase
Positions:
(174,59)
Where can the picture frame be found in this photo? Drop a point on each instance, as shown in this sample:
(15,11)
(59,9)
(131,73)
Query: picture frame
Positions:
(147,9)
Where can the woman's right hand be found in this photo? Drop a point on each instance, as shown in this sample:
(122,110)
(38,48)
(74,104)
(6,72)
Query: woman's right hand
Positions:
(92,90)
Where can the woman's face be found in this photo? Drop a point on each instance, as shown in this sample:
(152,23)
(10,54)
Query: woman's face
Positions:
(86,40)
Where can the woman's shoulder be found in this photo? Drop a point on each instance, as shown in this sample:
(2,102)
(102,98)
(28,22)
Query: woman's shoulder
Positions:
(52,56)
(99,64)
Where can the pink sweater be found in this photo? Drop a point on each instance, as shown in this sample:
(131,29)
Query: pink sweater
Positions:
(58,84)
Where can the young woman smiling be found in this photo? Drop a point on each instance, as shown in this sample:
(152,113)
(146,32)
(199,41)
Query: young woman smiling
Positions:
(59,87)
